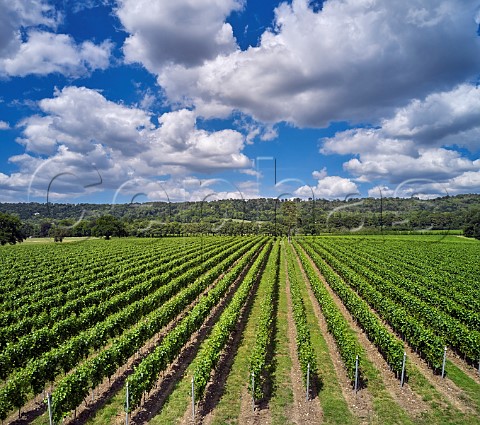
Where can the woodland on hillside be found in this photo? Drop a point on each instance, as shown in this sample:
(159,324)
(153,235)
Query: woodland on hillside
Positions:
(253,216)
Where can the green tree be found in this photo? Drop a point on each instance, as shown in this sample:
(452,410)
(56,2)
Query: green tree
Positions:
(59,232)
(472,228)
(289,213)
(10,229)
(84,228)
(108,226)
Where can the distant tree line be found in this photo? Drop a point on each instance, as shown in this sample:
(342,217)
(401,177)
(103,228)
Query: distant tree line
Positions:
(233,217)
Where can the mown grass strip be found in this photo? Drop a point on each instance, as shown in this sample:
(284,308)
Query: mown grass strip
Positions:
(386,410)
(178,401)
(467,384)
(281,402)
(228,409)
(335,408)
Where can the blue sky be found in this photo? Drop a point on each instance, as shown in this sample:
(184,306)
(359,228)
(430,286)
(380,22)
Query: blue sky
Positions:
(109,101)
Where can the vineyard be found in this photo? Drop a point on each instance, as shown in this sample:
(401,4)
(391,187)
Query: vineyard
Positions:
(250,330)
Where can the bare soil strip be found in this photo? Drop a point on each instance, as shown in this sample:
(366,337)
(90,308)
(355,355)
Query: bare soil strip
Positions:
(359,403)
(216,386)
(304,412)
(408,400)
(166,384)
(261,415)
(406,397)
(110,386)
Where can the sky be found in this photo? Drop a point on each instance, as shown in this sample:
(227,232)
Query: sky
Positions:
(110,101)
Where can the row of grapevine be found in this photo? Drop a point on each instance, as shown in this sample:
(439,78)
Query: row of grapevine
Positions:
(456,278)
(388,345)
(20,277)
(37,373)
(259,366)
(127,306)
(53,280)
(147,372)
(437,294)
(85,291)
(74,388)
(337,325)
(209,354)
(92,308)
(455,333)
(427,343)
(305,353)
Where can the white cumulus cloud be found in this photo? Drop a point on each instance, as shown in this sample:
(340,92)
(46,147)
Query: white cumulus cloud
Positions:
(419,141)
(80,135)
(352,60)
(40,51)
(329,187)
(180,32)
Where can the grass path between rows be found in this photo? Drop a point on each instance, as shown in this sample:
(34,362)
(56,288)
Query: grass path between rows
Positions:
(228,409)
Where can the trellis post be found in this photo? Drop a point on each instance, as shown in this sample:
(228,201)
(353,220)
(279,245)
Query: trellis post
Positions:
(402,380)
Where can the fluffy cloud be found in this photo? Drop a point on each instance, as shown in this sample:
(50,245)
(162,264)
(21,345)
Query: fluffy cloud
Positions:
(329,187)
(178,142)
(21,13)
(319,175)
(444,118)
(43,52)
(4,125)
(179,32)
(46,53)
(427,188)
(352,60)
(81,135)
(465,182)
(419,141)
(438,163)
(81,118)
(380,191)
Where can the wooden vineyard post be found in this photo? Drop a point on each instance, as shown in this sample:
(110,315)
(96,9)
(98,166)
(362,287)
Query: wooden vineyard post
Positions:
(253,392)
(126,405)
(49,403)
(356,374)
(444,360)
(308,382)
(402,380)
(193,397)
